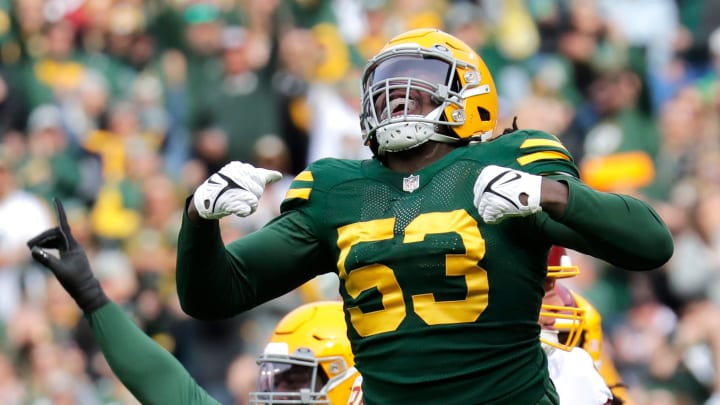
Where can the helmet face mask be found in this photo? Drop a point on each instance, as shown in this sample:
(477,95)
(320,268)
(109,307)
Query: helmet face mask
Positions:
(308,359)
(576,322)
(568,327)
(291,379)
(426,85)
(592,334)
(560,306)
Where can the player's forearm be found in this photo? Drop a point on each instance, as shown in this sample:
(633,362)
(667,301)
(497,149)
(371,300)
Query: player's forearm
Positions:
(554,197)
(617,228)
(149,371)
(204,275)
(217,281)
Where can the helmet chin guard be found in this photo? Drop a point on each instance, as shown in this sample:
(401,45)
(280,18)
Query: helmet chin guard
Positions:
(404,135)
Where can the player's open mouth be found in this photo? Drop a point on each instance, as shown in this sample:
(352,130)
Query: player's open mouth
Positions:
(398,107)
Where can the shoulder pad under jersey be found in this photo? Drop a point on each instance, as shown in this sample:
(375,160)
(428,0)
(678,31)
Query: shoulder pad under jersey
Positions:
(537,152)
(319,177)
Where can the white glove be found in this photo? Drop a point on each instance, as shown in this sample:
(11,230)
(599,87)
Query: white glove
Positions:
(234,189)
(498,190)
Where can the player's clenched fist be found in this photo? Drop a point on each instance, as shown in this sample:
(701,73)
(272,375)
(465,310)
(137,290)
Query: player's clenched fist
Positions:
(501,192)
(234,189)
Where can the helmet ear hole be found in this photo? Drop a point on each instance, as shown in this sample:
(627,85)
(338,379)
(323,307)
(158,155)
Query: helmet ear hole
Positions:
(484,114)
(456,85)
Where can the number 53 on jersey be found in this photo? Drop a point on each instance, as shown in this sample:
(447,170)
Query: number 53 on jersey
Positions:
(383,278)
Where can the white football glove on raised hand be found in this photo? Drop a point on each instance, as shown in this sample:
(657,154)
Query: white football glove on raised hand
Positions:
(234,189)
(498,190)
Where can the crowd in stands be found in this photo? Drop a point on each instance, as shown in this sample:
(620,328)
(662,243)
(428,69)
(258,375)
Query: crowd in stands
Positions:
(120,108)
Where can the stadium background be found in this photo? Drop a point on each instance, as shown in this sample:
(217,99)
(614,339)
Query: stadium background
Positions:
(122,107)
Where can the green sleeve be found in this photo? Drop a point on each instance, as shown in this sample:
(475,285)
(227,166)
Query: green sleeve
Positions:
(619,229)
(151,373)
(215,281)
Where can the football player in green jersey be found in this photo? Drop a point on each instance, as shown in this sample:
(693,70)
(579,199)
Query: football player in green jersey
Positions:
(308,359)
(440,241)
(149,371)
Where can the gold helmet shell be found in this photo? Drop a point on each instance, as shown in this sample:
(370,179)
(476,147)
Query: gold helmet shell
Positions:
(308,359)
(426,61)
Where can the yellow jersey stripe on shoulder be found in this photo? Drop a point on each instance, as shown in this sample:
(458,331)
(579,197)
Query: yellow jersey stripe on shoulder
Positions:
(302,193)
(305,175)
(544,155)
(532,143)
(301,186)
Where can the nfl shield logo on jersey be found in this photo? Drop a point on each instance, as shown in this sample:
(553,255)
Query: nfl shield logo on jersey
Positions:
(411,183)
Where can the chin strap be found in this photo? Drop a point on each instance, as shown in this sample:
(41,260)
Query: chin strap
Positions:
(444,138)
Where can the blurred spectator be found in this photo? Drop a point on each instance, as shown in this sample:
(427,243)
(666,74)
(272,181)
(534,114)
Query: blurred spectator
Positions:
(55,69)
(21,214)
(210,149)
(697,20)
(622,124)
(318,84)
(648,324)
(203,45)
(173,74)
(84,109)
(120,148)
(12,388)
(680,122)
(50,169)
(377,30)
(125,132)
(152,247)
(12,105)
(410,14)
(335,124)
(237,98)
(694,270)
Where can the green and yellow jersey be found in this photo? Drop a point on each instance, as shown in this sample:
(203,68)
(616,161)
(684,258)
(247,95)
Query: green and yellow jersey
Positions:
(441,307)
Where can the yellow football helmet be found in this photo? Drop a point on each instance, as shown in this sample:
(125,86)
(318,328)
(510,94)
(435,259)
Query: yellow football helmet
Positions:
(308,359)
(569,318)
(432,63)
(592,335)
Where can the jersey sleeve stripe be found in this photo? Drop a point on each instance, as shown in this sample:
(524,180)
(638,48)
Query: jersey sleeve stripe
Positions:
(302,193)
(544,155)
(304,176)
(531,143)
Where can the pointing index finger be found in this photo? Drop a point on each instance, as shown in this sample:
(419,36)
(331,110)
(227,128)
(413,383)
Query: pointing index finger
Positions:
(269,176)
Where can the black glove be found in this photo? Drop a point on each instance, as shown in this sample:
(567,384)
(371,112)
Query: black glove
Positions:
(72,269)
